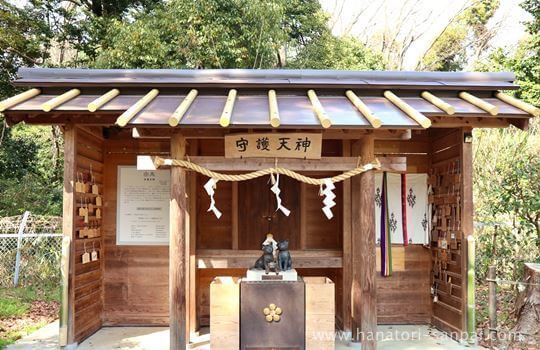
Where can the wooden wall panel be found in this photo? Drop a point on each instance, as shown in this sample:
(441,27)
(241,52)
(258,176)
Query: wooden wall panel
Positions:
(88,278)
(322,233)
(404,297)
(136,277)
(446,178)
(214,233)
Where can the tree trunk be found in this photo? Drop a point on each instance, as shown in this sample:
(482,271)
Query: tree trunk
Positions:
(526,333)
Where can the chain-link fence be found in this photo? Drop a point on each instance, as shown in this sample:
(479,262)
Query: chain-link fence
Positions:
(30,250)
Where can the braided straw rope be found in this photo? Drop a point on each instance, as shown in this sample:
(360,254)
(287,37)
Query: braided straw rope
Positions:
(158,161)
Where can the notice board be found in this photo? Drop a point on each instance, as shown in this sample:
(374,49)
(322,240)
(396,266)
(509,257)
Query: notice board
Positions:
(142,216)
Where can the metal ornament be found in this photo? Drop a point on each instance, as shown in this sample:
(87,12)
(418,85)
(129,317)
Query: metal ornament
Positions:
(272,313)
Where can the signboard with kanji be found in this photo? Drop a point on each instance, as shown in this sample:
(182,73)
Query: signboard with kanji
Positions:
(274,145)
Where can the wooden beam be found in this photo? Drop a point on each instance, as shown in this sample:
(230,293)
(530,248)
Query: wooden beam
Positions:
(177,249)
(488,107)
(225,118)
(243,259)
(474,122)
(324,119)
(182,108)
(328,134)
(535,111)
(132,111)
(364,288)
(522,124)
(437,102)
(217,163)
(347,248)
(15,100)
(361,106)
(68,219)
(273,107)
(102,100)
(418,117)
(58,100)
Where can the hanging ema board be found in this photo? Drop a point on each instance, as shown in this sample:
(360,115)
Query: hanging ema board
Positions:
(142,206)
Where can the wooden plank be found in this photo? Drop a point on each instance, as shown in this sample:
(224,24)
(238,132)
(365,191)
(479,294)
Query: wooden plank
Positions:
(320,313)
(68,228)
(177,268)
(234,217)
(225,313)
(364,282)
(303,216)
(226,258)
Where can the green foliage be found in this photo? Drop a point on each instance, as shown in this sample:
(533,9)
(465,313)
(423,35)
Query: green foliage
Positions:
(30,170)
(330,52)
(466,35)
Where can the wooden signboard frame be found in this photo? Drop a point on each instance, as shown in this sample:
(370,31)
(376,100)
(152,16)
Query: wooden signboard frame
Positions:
(301,145)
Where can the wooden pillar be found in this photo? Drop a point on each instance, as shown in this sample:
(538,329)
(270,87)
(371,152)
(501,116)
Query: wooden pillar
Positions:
(364,305)
(466,214)
(177,248)
(68,223)
(347,248)
(191,249)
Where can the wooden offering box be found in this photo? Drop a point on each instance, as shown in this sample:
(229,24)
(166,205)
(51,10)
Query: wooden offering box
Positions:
(225,313)
(320,313)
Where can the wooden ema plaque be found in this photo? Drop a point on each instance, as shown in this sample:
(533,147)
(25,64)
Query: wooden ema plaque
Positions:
(272,315)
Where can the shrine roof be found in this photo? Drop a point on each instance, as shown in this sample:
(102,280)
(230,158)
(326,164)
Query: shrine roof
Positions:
(264,98)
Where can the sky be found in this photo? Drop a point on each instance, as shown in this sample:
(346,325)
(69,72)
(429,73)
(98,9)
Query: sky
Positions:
(427,20)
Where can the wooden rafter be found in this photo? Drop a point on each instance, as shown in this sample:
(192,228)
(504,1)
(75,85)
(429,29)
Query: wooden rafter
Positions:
(178,114)
(126,117)
(418,117)
(225,119)
(486,106)
(58,100)
(15,100)
(437,102)
(361,106)
(102,100)
(324,119)
(273,108)
(518,103)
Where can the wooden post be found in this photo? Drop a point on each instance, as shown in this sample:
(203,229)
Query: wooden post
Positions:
(363,249)
(347,246)
(492,304)
(466,217)
(68,223)
(177,248)
(191,249)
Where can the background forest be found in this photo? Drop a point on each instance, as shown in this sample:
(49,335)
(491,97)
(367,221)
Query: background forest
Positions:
(283,34)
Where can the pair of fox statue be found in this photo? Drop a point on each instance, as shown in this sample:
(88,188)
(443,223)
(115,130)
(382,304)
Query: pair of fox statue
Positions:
(276,256)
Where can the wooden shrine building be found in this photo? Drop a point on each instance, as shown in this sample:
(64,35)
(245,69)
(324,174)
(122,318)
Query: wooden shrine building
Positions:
(411,122)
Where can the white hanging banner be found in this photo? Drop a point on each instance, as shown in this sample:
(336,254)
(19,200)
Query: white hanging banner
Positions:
(277,191)
(328,201)
(209,187)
